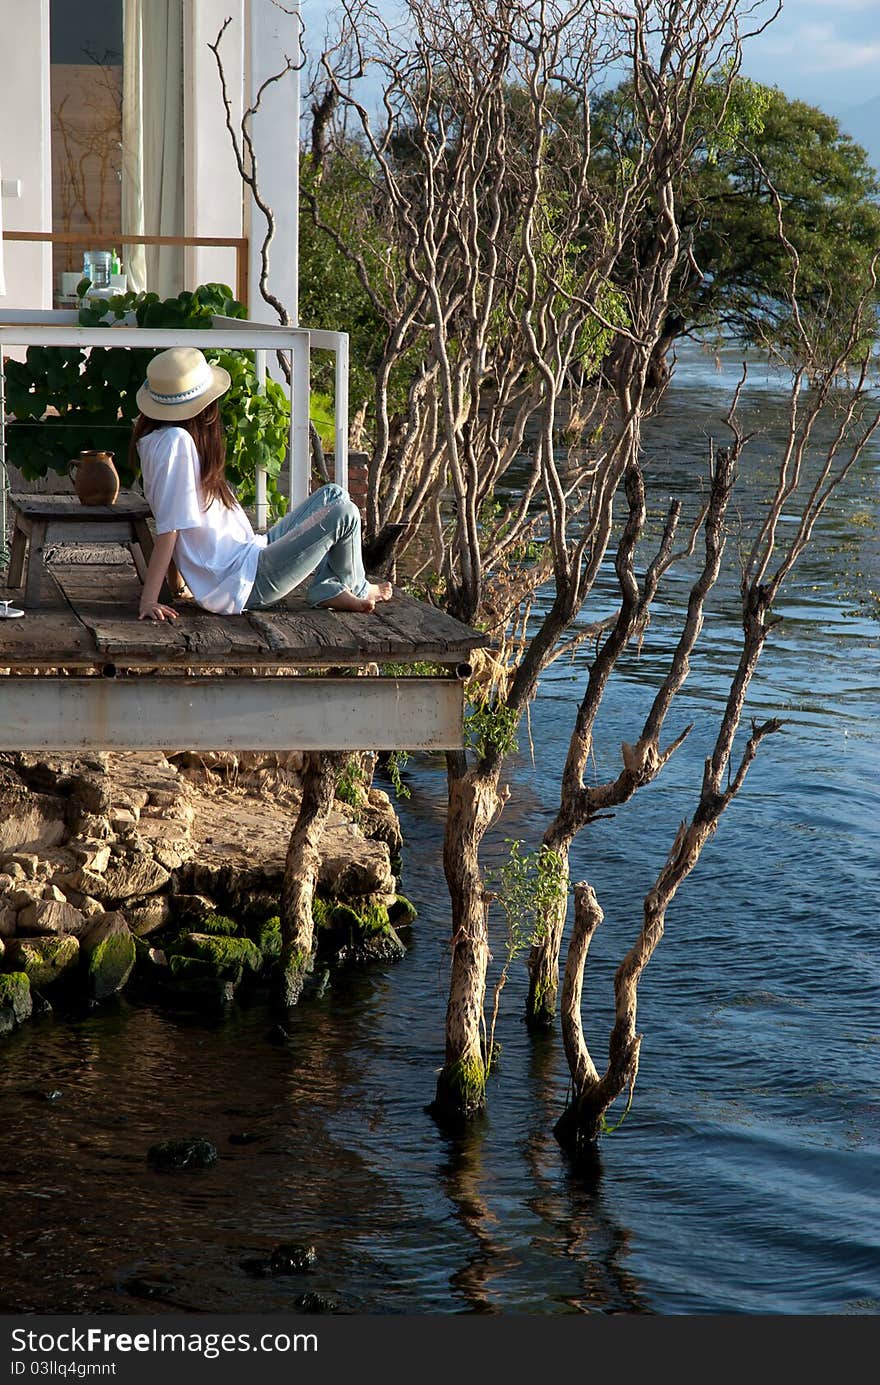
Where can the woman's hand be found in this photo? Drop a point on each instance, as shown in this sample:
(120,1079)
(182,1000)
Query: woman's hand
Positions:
(155,610)
(151,607)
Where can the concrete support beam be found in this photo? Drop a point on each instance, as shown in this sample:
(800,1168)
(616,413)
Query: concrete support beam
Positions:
(230,713)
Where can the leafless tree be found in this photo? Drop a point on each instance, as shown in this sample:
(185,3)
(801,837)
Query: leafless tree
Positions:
(489,253)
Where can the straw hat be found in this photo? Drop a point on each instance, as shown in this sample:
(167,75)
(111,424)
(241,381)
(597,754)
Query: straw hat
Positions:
(180,383)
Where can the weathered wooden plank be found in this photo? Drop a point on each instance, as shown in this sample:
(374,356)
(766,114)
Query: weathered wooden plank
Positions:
(69,714)
(94,610)
(431,634)
(53,638)
(68,505)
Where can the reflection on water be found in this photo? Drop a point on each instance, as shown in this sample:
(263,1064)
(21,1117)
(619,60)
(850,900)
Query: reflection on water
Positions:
(743,1179)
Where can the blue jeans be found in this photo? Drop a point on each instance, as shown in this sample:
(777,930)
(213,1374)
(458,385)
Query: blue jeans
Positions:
(321,537)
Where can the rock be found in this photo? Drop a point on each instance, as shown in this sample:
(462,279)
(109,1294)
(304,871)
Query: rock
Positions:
(224,955)
(123,817)
(173,854)
(86,905)
(53,892)
(243,1137)
(93,856)
(8,917)
(28,820)
(292,1259)
(89,825)
(402,912)
(351,935)
(20,899)
(27,863)
(44,960)
(43,916)
(184,1154)
(125,877)
(15,1000)
(315,1303)
(146,915)
(108,952)
(197,981)
(351,865)
(91,794)
(192,908)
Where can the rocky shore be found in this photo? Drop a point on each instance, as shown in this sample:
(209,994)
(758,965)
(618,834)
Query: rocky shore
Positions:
(163,874)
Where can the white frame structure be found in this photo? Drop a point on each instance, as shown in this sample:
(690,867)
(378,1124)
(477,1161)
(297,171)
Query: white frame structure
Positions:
(24,327)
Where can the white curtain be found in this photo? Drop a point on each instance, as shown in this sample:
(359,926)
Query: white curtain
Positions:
(152,141)
(2,280)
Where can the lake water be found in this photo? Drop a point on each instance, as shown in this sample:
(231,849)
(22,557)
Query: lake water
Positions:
(745,1177)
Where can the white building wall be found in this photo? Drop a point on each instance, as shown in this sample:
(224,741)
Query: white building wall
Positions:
(213,188)
(254,47)
(274,35)
(25,123)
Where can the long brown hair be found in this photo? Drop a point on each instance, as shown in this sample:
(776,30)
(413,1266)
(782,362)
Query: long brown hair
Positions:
(206,432)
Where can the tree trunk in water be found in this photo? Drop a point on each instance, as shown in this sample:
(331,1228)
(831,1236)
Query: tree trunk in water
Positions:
(301,872)
(473,803)
(582,1121)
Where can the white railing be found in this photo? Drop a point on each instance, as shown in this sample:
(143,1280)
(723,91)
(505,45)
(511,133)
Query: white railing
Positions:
(23,327)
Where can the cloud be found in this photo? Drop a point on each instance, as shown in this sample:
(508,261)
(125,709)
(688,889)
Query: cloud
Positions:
(820,47)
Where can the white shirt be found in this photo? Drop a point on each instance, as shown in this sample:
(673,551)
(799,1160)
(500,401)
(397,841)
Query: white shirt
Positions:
(217,550)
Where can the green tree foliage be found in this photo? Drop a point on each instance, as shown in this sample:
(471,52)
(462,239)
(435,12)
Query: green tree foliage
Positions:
(758,159)
(756,156)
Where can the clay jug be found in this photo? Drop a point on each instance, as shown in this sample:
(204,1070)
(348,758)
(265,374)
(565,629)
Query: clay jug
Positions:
(96,480)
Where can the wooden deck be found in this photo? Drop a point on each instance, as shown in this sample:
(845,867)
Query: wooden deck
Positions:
(221,688)
(90,620)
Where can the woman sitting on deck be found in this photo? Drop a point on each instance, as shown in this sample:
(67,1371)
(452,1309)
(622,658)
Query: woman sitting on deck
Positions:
(200,525)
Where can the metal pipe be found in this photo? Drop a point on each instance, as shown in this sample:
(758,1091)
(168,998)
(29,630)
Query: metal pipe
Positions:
(299,421)
(340,413)
(4,474)
(261,497)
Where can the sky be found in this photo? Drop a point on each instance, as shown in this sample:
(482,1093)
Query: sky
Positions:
(825,52)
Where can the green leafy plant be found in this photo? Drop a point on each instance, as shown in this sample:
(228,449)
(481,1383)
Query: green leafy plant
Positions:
(64,399)
(351,784)
(529,888)
(489,725)
(397,762)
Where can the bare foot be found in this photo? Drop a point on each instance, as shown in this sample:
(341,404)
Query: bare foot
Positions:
(347,601)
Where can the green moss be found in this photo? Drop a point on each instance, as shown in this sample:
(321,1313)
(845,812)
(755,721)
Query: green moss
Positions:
(402,911)
(110,964)
(267,937)
(320,912)
(219,926)
(368,922)
(294,966)
(541,1006)
(224,955)
(44,960)
(15,995)
(462,1087)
